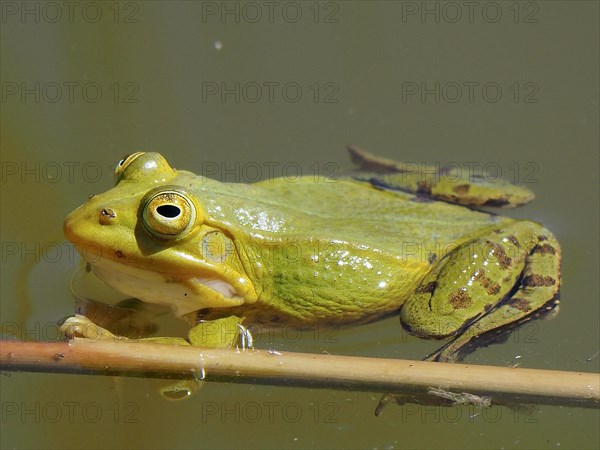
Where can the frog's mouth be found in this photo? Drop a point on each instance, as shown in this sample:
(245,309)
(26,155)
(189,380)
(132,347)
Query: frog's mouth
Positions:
(184,294)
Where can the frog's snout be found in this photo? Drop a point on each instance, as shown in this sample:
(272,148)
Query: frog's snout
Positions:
(81,226)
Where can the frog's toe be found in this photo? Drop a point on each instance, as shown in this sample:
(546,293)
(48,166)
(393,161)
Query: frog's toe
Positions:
(60,322)
(385,399)
(80,326)
(447,354)
(245,337)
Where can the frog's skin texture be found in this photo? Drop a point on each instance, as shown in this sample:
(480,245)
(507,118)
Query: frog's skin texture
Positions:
(320,251)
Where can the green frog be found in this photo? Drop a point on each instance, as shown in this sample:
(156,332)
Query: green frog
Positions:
(317,251)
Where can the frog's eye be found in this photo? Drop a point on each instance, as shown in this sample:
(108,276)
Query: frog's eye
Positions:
(124,164)
(141,166)
(168,214)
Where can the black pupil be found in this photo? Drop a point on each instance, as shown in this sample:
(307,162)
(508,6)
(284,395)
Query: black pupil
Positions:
(168,211)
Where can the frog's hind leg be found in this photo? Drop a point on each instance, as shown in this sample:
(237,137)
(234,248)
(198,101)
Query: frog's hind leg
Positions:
(536,296)
(516,278)
(449,183)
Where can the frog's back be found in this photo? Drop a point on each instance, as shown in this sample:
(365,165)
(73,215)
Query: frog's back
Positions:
(359,212)
(336,209)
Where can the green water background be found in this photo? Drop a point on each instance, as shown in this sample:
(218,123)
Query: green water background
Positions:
(143,75)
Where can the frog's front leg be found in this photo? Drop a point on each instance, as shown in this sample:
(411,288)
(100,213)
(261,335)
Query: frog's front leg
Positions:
(225,332)
(501,278)
(80,326)
(220,333)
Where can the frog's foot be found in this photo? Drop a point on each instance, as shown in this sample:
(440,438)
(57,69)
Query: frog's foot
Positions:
(505,277)
(450,185)
(130,317)
(434,397)
(82,327)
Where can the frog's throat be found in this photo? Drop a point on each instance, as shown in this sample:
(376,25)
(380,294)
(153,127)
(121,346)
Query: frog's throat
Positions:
(183,294)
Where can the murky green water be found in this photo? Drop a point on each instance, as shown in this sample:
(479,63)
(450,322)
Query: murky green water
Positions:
(245,90)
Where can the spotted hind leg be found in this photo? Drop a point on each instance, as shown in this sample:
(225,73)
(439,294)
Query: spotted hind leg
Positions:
(537,294)
(501,278)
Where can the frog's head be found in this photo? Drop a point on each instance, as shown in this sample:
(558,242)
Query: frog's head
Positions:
(147,237)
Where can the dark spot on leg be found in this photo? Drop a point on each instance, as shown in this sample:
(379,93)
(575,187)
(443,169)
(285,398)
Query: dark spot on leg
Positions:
(496,202)
(275,318)
(490,287)
(423,187)
(461,189)
(488,307)
(538,280)
(460,300)
(513,240)
(477,275)
(493,289)
(500,254)
(520,303)
(544,249)
(431,258)
(499,231)
(542,238)
(426,288)
(119,254)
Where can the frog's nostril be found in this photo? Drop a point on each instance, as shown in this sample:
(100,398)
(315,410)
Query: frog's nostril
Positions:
(168,211)
(106,216)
